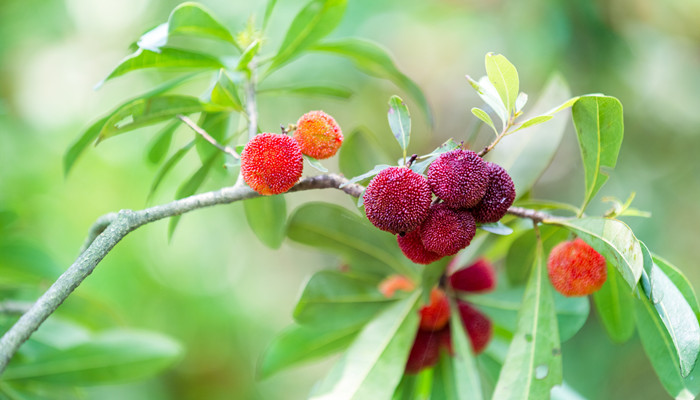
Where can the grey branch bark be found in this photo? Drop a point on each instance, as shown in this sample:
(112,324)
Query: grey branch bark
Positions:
(109,229)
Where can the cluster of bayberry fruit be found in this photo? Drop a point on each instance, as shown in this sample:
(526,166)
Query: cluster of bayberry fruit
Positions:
(433,334)
(469,191)
(273,163)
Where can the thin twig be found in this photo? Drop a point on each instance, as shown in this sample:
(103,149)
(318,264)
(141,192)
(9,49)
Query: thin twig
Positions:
(198,129)
(500,136)
(14,307)
(250,104)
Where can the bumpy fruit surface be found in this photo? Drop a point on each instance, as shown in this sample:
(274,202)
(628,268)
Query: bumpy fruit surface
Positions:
(459,178)
(425,351)
(477,278)
(412,247)
(435,315)
(446,231)
(477,325)
(392,283)
(576,269)
(271,163)
(397,200)
(499,195)
(318,135)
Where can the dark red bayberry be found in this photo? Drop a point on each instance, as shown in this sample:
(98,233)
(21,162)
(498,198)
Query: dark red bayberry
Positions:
(446,231)
(477,278)
(412,247)
(477,325)
(499,195)
(459,178)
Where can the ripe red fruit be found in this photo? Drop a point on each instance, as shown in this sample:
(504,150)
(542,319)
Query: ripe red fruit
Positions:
(271,163)
(576,269)
(459,178)
(397,200)
(425,351)
(392,283)
(476,278)
(412,247)
(499,195)
(318,135)
(477,325)
(446,231)
(435,315)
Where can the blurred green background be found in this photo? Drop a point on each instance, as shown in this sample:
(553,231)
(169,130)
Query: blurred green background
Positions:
(221,292)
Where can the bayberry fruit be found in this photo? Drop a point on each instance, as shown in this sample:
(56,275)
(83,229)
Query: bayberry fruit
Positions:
(476,278)
(271,163)
(392,283)
(576,269)
(425,351)
(477,325)
(446,231)
(318,135)
(412,247)
(499,195)
(459,178)
(435,315)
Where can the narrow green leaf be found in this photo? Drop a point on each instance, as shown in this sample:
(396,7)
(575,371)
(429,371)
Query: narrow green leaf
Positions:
(520,102)
(154,39)
(533,364)
(497,228)
(680,281)
(316,164)
(504,78)
(216,125)
(482,115)
(168,165)
(599,127)
(532,122)
(225,93)
(161,143)
(310,90)
(189,187)
(166,58)
(423,162)
(247,56)
(191,19)
(360,152)
(373,365)
(374,60)
(267,218)
(614,240)
(111,357)
(299,344)
(546,205)
(444,382)
(488,93)
(466,375)
(77,148)
(400,122)
(316,20)
(369,174)
(615,304)
(268,12)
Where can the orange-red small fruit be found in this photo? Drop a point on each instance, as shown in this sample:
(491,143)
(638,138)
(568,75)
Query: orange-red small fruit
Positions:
(435,315)
(397,200)
(477,278)
(459,178)
(576,269)
(425,351)
(271,163)
(412,247)
(446,231)
(477,325)
(499,195)
(392,283)
(318,135)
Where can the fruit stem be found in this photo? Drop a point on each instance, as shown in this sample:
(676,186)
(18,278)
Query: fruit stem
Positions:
(500,136)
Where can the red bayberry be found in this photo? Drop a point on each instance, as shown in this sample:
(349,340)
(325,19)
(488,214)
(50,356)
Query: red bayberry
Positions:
(425,351)
(499,195)
(477,325)
(446,231)
(576,269)
(318,135)
(397,200)
(478,277)
(435,315)
(271,163)
(459,178)
(412,247)
(392,283)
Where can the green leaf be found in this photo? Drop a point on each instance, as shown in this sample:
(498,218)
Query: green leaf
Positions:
(165,58)
(546,205)
(316,20)
(168,165)
(248,55)
(316,164)
(533,364)
(680,281)
(268,12)
(504,78)
(598,122)
(443,381)
(520,102)
(374,60)
(482,115)
(615,304)
(614,240)
(400,122)
(373,365)
(267,218)
(299,344)
(521,253)
(310,90)
(497,228)
(216,125)
(338,299)
(369,174)
(225,93)
(526,157)
(488,93)
(191,19)
(162,141)
(77,148)
(466,375)
(423,162)
(143,112)
(111,357)
(189,187)
(532,122)
(360,152)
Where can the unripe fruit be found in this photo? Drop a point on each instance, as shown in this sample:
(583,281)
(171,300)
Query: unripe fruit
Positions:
(412,247)
(459,178)
(499,195)
(477,325)
(271,163)
(435,315)
(392,283)
(397,200)
(425,351)
(576,269)
(446,231)
(318,135)
(476,278)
